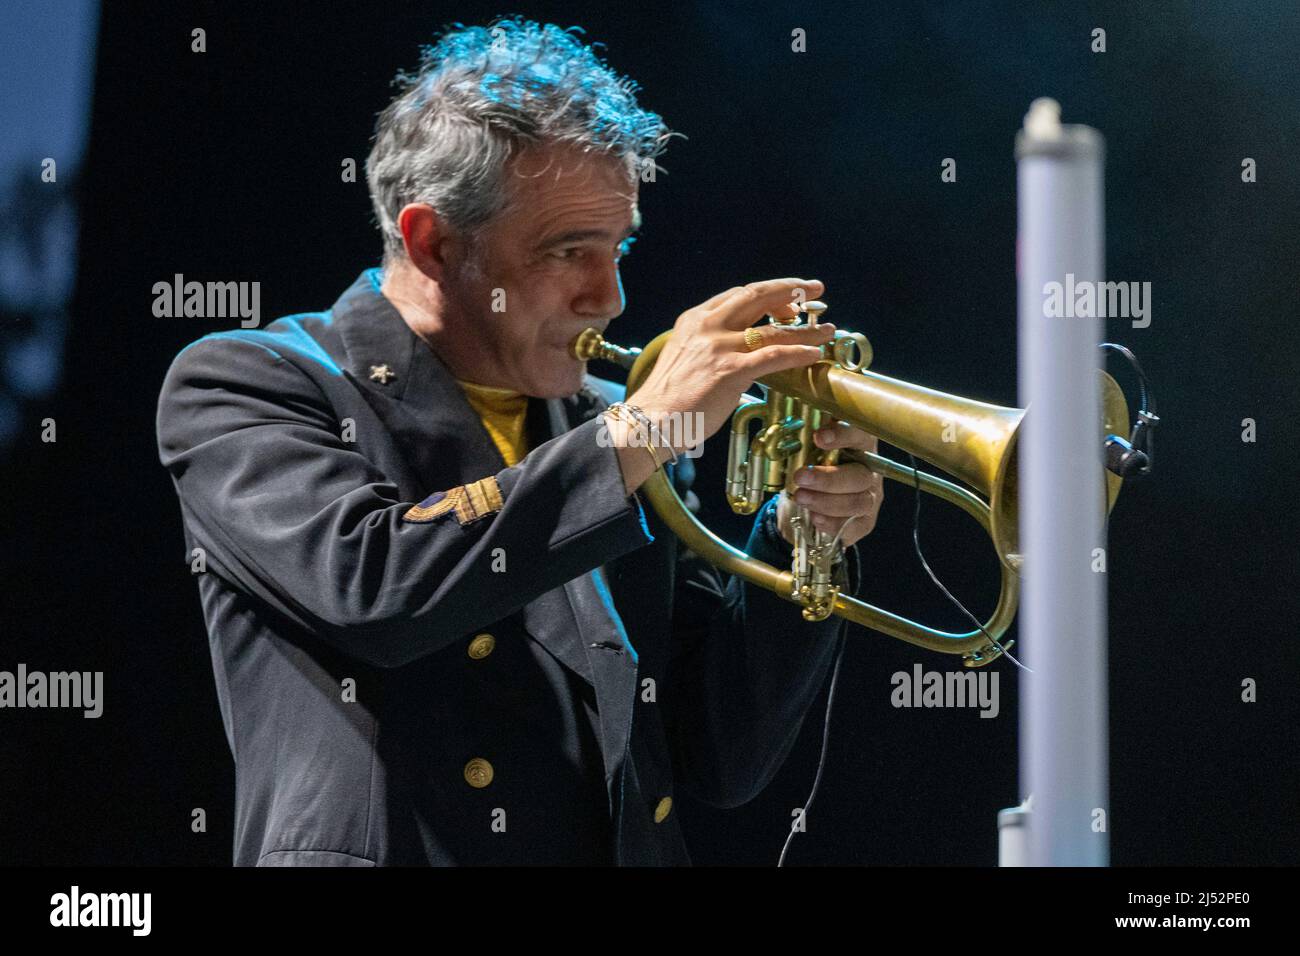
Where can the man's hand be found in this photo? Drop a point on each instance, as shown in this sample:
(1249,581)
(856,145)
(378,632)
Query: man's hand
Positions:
(832,493)
(706,364)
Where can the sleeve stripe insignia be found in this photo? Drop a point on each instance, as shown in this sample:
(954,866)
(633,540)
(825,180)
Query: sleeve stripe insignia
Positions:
(468,502)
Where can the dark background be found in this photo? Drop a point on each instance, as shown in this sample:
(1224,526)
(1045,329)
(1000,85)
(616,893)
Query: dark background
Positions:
(226,165)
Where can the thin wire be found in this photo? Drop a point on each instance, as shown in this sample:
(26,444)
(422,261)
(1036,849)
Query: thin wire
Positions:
(1137,367)
(916,540)
(826,720)
(821,758)
(839,654)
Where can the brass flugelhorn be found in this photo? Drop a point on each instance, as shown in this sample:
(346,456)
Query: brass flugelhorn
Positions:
(971,440)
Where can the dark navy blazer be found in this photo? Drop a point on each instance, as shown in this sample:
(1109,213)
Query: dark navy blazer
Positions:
(424,657)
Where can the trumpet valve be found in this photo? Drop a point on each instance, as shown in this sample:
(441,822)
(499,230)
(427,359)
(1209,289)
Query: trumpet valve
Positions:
(818,606)
(814,310)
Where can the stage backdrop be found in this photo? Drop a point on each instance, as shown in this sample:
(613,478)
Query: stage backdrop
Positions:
(826,161)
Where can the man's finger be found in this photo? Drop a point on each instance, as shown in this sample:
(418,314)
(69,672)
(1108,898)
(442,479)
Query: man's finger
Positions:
(837,505)
(771,336)
(844,435)
(849,478)
(854,528)
(742,306)
(778,358)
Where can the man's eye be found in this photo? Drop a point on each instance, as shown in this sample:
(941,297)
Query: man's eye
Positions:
(570,253)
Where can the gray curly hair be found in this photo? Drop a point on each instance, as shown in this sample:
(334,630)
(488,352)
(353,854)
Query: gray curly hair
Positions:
(480,95)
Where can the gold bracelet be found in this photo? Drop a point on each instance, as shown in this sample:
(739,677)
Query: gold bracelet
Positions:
(652,433)
(620,409)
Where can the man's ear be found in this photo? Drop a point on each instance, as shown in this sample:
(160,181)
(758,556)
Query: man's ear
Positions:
(427,239)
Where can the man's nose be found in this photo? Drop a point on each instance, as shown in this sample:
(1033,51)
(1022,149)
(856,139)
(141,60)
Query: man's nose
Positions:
(601,297)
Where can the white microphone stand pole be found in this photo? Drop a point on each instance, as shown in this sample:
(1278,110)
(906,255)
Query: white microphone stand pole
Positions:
(1063,719)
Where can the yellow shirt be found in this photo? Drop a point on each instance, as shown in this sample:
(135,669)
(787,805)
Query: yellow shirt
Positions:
(505,416)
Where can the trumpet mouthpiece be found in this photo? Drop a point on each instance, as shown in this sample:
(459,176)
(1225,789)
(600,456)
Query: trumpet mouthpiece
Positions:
(586,345)
(590,344)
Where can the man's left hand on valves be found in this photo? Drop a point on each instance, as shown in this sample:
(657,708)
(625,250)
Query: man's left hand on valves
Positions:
(832,493)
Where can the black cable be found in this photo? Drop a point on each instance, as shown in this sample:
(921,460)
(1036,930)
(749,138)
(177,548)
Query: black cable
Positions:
(1137,367)
(826,733)
(916,541)
(830,697)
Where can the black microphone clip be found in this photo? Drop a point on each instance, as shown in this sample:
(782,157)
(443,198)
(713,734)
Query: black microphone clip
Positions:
(1135,456)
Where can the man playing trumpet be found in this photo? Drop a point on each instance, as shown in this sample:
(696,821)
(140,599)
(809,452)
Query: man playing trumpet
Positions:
(443,627)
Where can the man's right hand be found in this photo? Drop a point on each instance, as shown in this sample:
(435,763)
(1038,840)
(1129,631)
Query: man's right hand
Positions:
(705,367)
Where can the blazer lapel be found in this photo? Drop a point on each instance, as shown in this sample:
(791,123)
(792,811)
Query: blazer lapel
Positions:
(410,389)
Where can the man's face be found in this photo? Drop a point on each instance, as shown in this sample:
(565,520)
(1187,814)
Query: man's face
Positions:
(547,269)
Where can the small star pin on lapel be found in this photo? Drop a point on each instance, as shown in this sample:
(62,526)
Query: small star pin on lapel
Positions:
(382,374)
